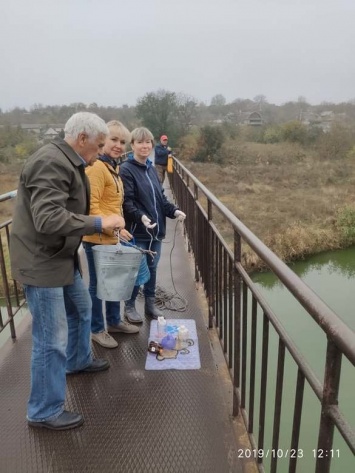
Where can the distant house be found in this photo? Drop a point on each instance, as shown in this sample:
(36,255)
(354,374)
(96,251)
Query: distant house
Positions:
(33,128)
(327,119)
(250,118)
(241,118)
(50,134)
(46,131)
(323,120)
(310,118)
(254,119)
(327,115)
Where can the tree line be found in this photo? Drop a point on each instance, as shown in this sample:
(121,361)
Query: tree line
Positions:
(180,115)
(174,113)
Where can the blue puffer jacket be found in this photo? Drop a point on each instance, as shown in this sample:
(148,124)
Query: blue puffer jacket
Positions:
(161,154)
(144,195)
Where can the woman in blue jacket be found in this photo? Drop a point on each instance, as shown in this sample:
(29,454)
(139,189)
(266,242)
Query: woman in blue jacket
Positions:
(145,209)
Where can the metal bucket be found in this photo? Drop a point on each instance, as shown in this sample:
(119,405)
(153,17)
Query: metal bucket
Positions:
(116,271)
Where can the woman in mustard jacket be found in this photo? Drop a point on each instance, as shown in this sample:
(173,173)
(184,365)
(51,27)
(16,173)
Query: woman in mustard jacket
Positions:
(106,198)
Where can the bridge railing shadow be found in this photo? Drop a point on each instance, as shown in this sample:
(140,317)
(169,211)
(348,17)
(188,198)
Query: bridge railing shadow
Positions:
(216,237)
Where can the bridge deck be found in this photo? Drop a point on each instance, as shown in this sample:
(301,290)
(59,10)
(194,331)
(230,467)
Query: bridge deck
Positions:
(135,420)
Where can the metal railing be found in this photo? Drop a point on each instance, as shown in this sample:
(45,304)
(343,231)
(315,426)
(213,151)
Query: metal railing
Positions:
(234,301)
(10,293)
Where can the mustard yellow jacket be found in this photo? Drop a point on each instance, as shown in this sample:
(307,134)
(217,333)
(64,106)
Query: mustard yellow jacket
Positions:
(106,197)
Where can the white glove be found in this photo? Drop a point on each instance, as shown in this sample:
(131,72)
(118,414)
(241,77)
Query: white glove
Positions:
(147,222)
(179,215)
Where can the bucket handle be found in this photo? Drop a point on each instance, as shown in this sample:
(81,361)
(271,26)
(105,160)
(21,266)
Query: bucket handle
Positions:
(128,243)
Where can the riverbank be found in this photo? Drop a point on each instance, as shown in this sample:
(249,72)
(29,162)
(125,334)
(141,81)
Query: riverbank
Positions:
(297,204)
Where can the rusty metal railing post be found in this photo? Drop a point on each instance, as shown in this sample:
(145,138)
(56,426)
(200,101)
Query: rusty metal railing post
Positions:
(330,397)
(211,270)
(278,404)
(6,289)
(237,321)
(195,225)
(263,383)
(297,414)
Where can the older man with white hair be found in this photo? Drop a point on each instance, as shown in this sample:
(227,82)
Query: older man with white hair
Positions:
(50,218)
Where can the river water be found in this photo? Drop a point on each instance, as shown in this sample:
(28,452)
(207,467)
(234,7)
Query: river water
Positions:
(332,276)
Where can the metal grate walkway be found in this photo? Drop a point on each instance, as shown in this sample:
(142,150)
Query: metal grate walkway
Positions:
(135,420)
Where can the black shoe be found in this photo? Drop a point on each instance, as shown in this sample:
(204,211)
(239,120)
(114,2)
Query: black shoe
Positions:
(66,420)
(97,364)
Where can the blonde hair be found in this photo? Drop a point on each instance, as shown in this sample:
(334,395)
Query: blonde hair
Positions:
(123,130)
(140,134)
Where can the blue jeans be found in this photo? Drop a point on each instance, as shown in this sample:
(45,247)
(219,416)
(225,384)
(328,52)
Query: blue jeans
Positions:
(149,287)
(112,308)
(60,343)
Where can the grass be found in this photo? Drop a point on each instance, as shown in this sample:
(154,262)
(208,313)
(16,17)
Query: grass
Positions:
(294,202)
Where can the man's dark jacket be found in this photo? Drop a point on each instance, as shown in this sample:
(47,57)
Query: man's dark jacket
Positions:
(50,217)
(144,195)
(161,155)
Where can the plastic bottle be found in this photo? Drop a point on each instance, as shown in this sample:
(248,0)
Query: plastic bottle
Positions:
(161,324)
(183,334)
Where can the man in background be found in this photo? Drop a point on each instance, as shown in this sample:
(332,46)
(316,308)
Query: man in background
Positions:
(50,218)
(162,152)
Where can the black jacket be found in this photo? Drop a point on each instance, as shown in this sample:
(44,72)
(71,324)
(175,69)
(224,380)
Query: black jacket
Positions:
(161,154)
(144,195)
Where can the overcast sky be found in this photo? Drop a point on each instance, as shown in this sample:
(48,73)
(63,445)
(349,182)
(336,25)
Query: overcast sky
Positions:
(112,51)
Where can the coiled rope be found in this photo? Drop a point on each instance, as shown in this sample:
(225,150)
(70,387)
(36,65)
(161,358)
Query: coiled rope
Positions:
(164,299)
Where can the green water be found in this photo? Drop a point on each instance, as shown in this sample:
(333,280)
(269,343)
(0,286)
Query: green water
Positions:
(332,276)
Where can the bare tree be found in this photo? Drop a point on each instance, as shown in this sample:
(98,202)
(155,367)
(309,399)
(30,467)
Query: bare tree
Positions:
(261,100)
(186,112)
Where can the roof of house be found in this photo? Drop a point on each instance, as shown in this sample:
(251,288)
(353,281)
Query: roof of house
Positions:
(50,131)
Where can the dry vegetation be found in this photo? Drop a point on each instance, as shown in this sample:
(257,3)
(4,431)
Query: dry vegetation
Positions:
(289,198)
(295,202)
(9,175)
(8,182)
